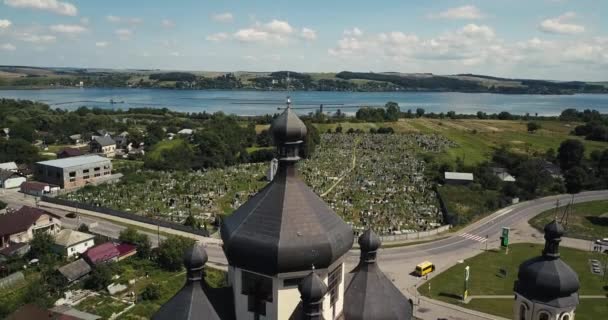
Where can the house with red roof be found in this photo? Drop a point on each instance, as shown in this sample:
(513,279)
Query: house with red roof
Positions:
(21,225)
(68,153)
(105,252)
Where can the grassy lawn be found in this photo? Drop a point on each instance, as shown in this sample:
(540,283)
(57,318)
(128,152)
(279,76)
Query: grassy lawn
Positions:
(588,309)
(586,220)
(253,149)
(485,279)
(103,306)
(465,203)
(169,282)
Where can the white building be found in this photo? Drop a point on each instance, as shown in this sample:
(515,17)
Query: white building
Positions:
(10,166)
(72,242)
(458,177)
(10,179)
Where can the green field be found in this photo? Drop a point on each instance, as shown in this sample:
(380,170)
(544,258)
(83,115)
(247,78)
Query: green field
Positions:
(585,220)
(485,279)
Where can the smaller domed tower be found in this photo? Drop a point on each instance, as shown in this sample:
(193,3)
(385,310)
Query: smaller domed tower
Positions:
(546,287)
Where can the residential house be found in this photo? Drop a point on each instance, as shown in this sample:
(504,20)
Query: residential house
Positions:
(503,174)
(76,138)
(74,172)
(456,178)
(10,179)
(109,252)
(72,242)
(21,225)
(553,170)
(105,252)
(122,139)
(75,270)
(38,189)
(14,250)
(103,145)
(10,166)
(68,153)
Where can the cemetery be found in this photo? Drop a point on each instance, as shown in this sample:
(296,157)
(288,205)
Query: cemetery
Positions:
(366,178)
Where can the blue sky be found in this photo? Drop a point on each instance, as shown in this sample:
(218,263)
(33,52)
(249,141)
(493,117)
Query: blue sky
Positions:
(551,39)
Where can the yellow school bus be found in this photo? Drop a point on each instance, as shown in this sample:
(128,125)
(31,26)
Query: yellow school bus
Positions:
(424,268)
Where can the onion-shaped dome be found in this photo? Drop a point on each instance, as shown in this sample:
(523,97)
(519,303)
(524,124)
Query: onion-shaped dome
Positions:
(288,128)
(312,288)
(548,279)
(370,294)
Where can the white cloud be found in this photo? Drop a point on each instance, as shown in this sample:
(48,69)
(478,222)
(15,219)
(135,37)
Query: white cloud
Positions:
(85,20)
(278,27)
(308,34)
(63,8)
(4,24)
(223,17)
(117,19)
(123,34)
(560,25)
(275,30)
(217,36)
(355,32)
(34,38)
(8,47)
(175,54)
(475,31)
(166,23)
(112,18)
(468,12)
(251,35)
(68,28)
(102,44)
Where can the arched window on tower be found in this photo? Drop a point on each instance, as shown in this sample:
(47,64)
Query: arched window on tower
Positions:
(543,316)
(565,316)
(523,312)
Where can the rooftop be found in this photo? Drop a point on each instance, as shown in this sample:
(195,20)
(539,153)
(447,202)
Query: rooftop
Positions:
(68,237)
(8,166)
(75,270)
(459,176)
(20,220)
(74,161)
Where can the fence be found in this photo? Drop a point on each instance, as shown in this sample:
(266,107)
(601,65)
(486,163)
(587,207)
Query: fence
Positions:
(415,235)
(126,215)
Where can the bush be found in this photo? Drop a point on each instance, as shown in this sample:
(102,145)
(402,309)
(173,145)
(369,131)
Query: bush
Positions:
(2,205)
(151,292)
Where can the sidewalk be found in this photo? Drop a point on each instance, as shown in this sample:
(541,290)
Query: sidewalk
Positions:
(430,309)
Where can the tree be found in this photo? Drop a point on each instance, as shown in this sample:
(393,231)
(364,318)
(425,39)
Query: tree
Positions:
(392,111)
(533,126)
(339,129)
(171,252)
(83,228)
(576,178)
(2,205)
(419,112)
(570,153)
(100,277)
(151,292)
(531,178)
(504,115)
(18,150)
(140,240)
(481,115)
(41,245)
(192,222)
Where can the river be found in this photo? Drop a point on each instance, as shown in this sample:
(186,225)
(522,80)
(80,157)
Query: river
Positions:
(243,102)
